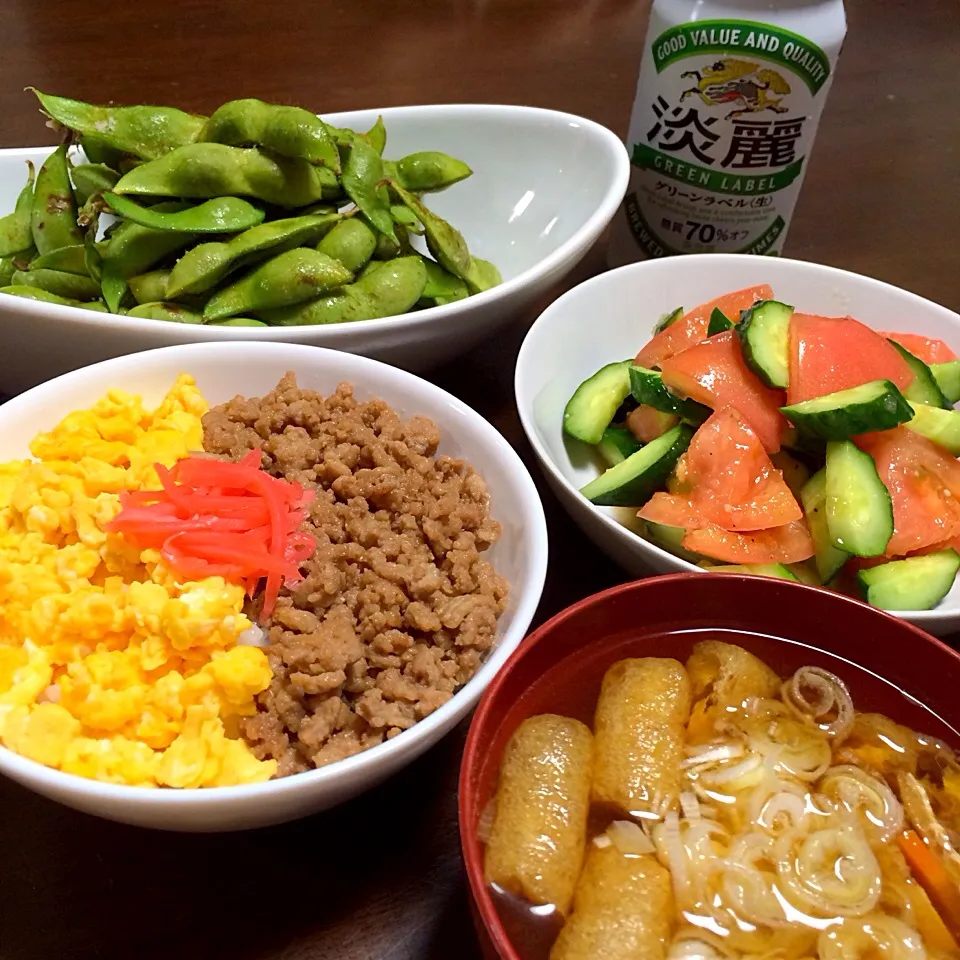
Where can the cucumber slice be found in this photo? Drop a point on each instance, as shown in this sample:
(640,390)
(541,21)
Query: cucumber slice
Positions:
(859,511)
(795,473)
(828,558)
(719,323)
(877,405)
(667,319)
(671,540)
(595,402)
(947,376)
(616,444)
(647,387)
(777,570)
(764,333)
(632,482)
(940,426)
(810,450)
(924,388)
(806,572)
(917,583)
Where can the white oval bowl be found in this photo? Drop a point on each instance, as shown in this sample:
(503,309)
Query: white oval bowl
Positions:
(223,370)
(612,315)
(544,187)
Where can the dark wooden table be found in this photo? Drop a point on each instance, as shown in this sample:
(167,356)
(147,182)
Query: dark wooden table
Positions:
(381,879)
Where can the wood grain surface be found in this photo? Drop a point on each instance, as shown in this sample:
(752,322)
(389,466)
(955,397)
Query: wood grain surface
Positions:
(381,878)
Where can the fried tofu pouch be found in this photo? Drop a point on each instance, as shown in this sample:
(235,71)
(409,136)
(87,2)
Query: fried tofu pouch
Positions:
(639,731)
(723,676)
(539,828)
(622,909)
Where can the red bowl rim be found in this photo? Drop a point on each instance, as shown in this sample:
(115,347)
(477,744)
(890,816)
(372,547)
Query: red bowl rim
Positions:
(472,747)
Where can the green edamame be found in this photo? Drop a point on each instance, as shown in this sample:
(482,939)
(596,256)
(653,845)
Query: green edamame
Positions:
(376,136)
(145,132)
(35,293)
(287,131)
(391,289)
(430,171)
(63,284)
(203,267)
(70,259)
(351,242)
(445,242)
(343,251)
(172,312)
(404,217)
(220,215)
(53,215)
(91,179)
(482,275)
(362,173)
(441,287)
(292,277)
(16,234)
(200,171)
(237,322)
(134,249)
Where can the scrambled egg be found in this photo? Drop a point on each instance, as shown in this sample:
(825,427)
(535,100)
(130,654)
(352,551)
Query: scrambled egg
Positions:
(109,667)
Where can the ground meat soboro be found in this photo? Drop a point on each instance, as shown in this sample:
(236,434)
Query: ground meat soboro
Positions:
(398,605)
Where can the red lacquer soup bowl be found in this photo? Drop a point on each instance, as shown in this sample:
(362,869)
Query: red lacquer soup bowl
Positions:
(890,666)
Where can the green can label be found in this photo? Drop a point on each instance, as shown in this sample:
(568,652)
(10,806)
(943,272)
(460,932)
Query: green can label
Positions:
(722,126)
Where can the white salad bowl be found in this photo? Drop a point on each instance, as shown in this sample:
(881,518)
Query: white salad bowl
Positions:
(610,317)
(545,185)
(222,371)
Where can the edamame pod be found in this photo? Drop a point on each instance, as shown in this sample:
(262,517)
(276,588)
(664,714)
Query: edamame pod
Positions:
(393,288)
(16,234)
(287,131)
(376,136)
(203,267)
(445,242)
(482,275)
(90,179)
(35,293)
(149,287)
(430,171)
(53,216)
(237,322)
(220,215)
(362,173)
(172,312)
(96,151)
(290,278)
(403,216)
(70,259)
(351,242)
(134,249)
(146,132)
(63,284)
(441,287)
(7,270)
(200,171)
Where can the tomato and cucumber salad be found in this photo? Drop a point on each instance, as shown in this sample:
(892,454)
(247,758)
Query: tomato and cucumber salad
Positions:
(754,438)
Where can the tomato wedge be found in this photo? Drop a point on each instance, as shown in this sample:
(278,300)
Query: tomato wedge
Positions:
(828,354)
(927,349)
(715,373)
(729,480)
(924,485)
(691,328)
(790,543)
(647,423)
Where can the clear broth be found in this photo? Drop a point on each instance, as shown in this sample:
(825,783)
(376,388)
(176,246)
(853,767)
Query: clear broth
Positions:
(572,688)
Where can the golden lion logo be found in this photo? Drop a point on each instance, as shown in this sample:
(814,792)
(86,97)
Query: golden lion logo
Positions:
(738,81)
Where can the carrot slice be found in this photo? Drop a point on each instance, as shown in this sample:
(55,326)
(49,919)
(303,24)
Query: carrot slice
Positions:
(928,870)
